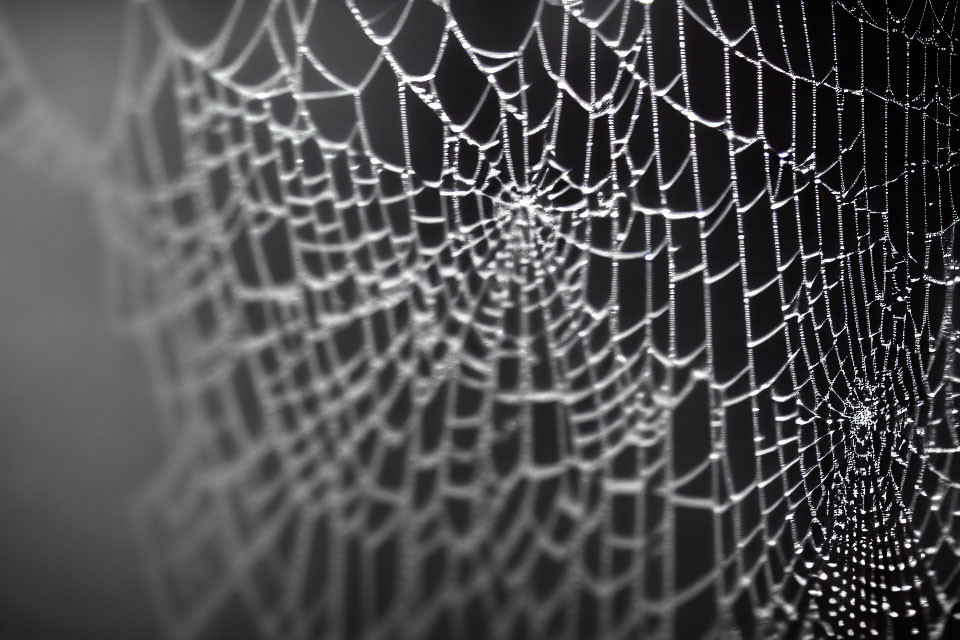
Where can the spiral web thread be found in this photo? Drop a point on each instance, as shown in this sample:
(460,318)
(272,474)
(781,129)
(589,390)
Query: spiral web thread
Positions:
(634,319)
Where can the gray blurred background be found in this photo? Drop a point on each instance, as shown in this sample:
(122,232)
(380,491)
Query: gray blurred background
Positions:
(77,434)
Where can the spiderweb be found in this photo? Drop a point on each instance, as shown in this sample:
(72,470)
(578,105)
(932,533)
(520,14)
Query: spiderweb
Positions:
(547,319)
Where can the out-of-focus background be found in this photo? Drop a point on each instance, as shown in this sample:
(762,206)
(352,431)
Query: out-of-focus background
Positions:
(77,432)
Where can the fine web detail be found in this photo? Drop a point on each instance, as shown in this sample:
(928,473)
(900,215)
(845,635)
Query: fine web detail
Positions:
(560,319)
